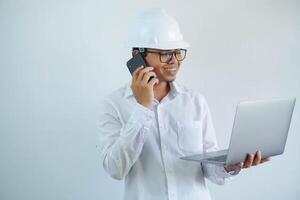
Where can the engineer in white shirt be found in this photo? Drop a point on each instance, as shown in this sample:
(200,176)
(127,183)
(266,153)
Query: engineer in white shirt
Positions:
(147,125)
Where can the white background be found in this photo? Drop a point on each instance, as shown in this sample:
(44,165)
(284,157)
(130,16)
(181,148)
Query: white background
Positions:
(58,59)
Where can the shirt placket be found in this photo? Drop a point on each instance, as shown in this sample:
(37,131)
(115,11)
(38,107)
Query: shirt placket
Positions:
(166,154)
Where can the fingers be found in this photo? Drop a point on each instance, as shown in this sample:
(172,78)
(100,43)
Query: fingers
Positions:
(142,72)
(257,159)
(241,165)
(136,72)
(147,76)
(252,161)
(249,161)
(265,160)
(153,81)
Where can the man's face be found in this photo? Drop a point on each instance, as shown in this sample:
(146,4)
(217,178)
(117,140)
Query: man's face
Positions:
(164,71)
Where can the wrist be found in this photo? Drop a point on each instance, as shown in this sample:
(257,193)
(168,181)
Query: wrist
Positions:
(147,105)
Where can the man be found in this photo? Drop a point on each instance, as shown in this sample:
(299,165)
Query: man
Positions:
(146,126)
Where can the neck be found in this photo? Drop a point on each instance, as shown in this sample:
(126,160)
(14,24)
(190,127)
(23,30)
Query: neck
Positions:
(161,90)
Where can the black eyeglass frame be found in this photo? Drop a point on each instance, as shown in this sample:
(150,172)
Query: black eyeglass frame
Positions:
(171,53)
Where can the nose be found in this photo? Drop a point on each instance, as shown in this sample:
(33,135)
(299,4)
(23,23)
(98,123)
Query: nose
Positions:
(172,59)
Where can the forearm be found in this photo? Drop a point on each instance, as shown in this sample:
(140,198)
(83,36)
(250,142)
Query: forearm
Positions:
(121,144)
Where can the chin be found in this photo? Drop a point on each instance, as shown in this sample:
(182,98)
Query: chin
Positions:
(167,79)
(170,80)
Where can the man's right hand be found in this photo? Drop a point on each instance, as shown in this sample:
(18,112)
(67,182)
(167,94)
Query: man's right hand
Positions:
(141,87)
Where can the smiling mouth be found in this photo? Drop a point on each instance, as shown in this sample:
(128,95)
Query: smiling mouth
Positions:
(170,69)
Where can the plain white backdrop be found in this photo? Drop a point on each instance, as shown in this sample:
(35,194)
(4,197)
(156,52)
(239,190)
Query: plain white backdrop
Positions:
(58,59)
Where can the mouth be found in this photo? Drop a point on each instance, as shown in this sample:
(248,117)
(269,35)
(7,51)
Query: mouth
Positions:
(171,69)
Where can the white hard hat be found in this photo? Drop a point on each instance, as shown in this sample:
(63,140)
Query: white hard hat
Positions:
(154,28)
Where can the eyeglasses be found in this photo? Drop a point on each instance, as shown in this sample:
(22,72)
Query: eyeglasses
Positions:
(166,56)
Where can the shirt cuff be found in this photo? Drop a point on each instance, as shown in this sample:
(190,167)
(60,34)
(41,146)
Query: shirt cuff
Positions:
(141,117)
(142,114)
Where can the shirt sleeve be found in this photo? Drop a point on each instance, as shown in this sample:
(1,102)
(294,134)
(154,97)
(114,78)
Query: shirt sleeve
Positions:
(120,144)
(214,172)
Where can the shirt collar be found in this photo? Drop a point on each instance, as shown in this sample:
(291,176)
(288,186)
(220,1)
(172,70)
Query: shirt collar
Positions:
(175,89)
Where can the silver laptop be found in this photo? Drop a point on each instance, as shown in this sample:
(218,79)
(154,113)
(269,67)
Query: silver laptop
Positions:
(258,125)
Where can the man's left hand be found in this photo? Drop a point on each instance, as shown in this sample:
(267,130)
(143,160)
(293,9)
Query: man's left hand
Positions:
(250,161)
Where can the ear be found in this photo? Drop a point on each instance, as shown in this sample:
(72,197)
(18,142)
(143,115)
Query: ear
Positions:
(135,52)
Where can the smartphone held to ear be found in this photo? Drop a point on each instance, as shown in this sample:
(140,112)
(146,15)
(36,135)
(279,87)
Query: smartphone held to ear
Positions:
(135,62)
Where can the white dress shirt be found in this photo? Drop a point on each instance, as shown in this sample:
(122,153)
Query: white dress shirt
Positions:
(144,146)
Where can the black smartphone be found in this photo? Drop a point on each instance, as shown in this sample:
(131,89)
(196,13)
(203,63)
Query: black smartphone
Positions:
(135,62)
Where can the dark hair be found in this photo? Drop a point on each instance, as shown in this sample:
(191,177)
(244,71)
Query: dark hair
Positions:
(143,53)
